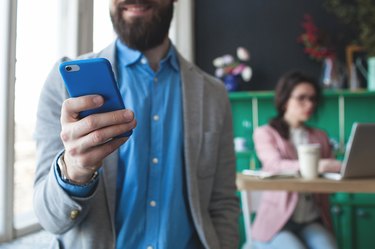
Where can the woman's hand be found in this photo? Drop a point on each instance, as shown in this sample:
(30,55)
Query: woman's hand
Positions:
(329,165)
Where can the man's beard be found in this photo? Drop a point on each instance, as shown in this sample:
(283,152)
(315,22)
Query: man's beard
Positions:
(140,34)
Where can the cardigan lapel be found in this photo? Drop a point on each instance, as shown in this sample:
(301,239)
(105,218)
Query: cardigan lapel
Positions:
(192,100)
(290,149)
(192,95)
(110,54)
(110,166)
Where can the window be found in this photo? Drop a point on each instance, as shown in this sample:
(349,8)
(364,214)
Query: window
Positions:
(37,51)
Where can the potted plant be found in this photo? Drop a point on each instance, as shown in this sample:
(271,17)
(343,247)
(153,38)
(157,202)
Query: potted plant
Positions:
(360,16)
(318,47)
(230,70)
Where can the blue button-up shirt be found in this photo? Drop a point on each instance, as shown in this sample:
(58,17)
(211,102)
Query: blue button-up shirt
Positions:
(152,207)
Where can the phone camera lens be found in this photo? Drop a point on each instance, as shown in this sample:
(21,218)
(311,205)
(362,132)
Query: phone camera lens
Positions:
(68,68)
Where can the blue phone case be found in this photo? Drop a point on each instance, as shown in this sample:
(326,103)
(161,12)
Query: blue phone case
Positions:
(93,76)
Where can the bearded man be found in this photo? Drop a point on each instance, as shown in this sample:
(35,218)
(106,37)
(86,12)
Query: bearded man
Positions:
(172,183)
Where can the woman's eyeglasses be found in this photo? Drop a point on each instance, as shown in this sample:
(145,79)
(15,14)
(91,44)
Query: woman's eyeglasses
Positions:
(304,98)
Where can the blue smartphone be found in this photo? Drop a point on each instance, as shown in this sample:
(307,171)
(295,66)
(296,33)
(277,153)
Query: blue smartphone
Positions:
(93,76)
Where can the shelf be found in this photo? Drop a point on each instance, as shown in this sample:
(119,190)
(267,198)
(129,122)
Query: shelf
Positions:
(270,94)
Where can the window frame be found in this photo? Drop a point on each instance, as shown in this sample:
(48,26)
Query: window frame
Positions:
(7,80)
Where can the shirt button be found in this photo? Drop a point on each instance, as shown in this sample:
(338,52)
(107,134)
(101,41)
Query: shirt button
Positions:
(153,203)
(74,214)
(150,247)
(156,117)
(143,61)
(155,160)
(155,79)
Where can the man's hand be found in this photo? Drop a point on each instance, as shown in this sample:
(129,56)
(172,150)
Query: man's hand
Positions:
(89,140)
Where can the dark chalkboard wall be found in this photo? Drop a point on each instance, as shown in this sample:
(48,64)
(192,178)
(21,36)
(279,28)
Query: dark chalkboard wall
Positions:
(268,28)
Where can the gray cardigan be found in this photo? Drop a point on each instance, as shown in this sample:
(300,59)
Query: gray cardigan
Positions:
(88,223)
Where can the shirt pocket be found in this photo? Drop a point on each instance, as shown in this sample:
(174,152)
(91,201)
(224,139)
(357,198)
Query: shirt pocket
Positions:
(209,154)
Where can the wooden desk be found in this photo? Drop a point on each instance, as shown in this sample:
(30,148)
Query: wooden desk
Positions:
(250,183)
(320,185)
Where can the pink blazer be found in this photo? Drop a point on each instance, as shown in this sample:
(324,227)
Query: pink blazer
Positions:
(276,207)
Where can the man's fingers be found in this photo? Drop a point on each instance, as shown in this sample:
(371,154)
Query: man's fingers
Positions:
(73,106)
(98,137)
(96,122)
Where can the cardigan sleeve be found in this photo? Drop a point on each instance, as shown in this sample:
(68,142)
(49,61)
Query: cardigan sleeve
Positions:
(267,148)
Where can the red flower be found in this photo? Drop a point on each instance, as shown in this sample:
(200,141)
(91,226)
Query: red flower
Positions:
(312,39)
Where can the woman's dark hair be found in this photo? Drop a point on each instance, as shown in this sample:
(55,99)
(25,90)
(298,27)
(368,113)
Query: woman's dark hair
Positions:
(284,89)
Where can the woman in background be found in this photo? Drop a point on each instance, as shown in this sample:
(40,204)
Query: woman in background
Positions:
(293,220)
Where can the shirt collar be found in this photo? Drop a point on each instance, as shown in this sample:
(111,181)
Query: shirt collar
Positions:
(128,56)
(171,57)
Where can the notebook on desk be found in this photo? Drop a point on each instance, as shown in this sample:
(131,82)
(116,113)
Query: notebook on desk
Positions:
(359,159)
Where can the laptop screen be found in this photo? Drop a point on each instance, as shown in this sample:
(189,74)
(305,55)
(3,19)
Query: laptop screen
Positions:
(359,160)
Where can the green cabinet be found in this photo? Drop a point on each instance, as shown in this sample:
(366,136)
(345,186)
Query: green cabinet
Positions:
(353,214)
(353,219)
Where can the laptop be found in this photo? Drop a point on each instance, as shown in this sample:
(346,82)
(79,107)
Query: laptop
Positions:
(359,159)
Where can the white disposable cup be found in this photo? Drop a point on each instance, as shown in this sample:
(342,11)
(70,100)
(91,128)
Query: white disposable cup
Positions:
(309,156)
(240,144)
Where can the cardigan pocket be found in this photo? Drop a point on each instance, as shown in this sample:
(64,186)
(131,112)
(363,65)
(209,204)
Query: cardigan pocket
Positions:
(208,154)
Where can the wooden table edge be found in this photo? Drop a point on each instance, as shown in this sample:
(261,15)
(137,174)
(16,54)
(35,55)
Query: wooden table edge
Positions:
(321,185)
